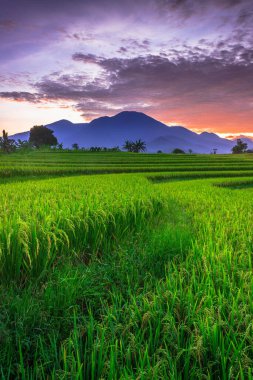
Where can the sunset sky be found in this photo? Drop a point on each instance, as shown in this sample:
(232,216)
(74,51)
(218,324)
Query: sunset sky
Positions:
(183,62)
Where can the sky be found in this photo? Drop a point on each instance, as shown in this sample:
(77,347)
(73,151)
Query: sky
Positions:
(183,62)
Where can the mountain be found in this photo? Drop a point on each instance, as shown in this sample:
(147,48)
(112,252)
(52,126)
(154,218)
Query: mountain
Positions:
(129,125)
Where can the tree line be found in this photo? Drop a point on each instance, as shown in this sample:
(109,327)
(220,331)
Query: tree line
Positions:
(41,136)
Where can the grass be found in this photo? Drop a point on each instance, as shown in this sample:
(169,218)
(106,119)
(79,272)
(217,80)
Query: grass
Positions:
(119,277)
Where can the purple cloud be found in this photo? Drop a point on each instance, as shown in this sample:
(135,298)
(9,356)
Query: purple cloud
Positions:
(21,96)
(108,55)
(152,80)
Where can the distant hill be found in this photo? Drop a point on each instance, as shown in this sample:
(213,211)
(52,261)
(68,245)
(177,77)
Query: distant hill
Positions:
(129,125)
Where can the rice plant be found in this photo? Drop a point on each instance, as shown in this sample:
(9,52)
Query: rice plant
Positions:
(126,276)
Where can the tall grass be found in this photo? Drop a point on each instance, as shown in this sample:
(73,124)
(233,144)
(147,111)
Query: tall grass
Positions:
(42,222)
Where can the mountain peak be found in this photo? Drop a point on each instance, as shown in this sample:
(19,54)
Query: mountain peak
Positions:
(207,134)
(62,122)
(122,113)
(131,115)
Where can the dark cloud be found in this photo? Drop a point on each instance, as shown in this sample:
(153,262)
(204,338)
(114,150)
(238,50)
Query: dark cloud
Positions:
(21,96)
(86,58)
(151,82)
(225,13)
(185,7)
(122,50)
(192,5)
(245,16)
(62,86)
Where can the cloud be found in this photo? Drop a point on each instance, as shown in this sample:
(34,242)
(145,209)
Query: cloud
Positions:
(123,50)
(86,58)
(221,77)
(187,7)
(135,45)
(21,96)
(152,82)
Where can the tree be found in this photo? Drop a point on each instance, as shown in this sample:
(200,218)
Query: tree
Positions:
(128,145)
(75,146)
(114,149)
(178,151)
(40,135)
(190,151)
(7,145)
(240,147)
(135,146)
(60,146)
(23,145)
(96,149)
(139,146)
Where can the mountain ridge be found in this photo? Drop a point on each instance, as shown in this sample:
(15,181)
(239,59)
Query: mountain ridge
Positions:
(109,131)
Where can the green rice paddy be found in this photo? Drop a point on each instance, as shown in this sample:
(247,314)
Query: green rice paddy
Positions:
(126,266)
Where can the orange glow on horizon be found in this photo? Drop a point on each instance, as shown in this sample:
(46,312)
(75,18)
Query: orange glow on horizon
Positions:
(20,116)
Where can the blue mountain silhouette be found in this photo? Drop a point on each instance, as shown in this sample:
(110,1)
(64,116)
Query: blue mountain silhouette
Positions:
(130,125)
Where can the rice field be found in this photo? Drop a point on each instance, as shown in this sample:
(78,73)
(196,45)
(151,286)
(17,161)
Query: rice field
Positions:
(126,266)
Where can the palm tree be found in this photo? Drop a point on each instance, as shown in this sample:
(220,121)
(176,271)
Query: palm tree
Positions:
(139,146)
(7,145)
(128,145)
